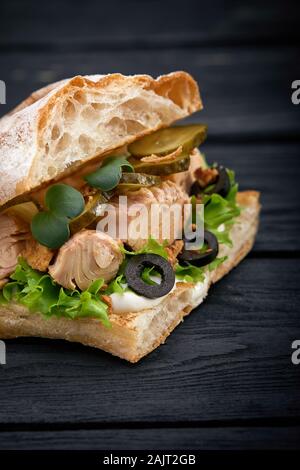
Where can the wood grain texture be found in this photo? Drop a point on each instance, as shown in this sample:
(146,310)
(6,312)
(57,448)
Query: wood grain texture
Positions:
(230,360)
(134,23)
(224,379)
(250,438)
(246,92)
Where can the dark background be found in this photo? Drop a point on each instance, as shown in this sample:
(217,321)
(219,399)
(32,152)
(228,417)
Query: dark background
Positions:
(225,378)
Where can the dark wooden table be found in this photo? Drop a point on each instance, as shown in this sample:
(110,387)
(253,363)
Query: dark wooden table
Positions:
(224,379)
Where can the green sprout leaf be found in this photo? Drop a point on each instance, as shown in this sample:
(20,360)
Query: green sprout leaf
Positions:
(64,201)
(50,230)
(109,174)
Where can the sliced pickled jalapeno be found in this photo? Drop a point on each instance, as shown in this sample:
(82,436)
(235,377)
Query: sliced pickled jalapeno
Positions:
(164,167)
(165,141)
(201,257)
(89,215)
(134,270)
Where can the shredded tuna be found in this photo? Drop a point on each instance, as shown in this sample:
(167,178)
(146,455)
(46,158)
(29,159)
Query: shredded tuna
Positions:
(3,282)
(185,179)
(174,250)
(37,255)
(166,158)
(206,176)
(107,300)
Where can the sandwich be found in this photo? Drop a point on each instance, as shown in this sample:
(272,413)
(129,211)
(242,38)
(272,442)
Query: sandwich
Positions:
(80,156)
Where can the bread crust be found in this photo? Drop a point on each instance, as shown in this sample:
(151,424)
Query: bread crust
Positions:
(134,335)
(124,109)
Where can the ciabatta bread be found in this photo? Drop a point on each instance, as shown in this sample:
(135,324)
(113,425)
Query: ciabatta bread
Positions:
(133,335)
(67,124)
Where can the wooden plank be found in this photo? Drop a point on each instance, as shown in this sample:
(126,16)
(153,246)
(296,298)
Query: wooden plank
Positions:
(246,438)
(246,92)
(274,170)
(132,23)
(230,360)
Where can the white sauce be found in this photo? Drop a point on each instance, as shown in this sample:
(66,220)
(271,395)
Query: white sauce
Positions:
(199,292)
(131,302)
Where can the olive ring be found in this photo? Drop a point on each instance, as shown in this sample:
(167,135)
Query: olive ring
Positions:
(135,268)
(203,258)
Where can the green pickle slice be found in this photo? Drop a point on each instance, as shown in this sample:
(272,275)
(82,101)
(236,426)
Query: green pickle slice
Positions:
(135,181)
(165,141)
(89,215)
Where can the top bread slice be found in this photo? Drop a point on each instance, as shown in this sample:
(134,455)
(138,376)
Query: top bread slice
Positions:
(63,126)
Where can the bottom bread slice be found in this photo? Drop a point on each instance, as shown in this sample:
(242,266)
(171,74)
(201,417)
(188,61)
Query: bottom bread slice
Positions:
(134,335)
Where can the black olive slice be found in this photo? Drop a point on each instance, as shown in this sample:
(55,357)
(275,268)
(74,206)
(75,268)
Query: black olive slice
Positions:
(201,258)
(133,274)
(222,185)
(196,189)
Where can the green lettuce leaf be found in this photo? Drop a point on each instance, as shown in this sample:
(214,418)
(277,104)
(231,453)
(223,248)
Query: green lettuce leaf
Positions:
(189,273)
(147,276)
(152,246)
(216,262)
(117,285)
(39,293)
(219,211)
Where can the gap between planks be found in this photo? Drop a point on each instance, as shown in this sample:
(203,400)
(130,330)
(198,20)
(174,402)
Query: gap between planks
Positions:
(256,422)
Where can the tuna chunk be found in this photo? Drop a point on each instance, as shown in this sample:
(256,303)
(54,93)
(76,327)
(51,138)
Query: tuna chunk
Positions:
(185,179)
(13,235)
(87,256)
(167,194)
